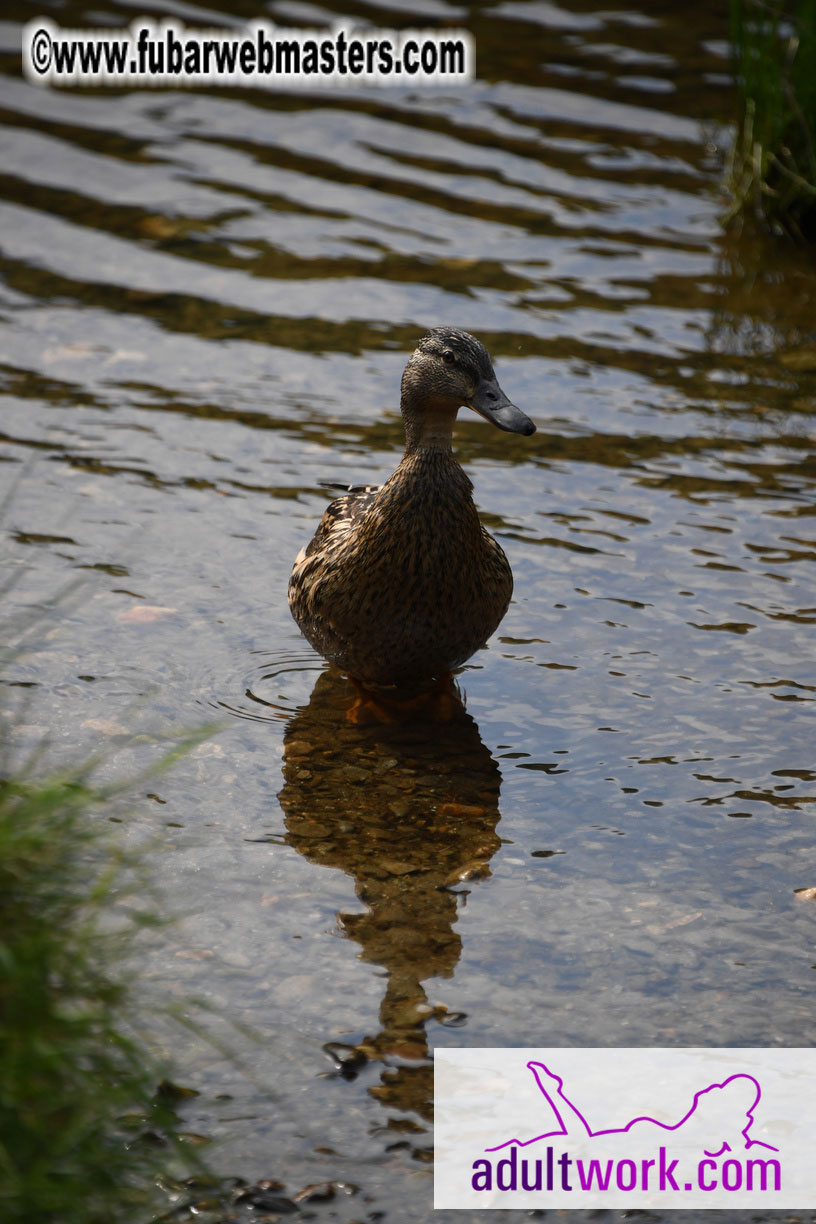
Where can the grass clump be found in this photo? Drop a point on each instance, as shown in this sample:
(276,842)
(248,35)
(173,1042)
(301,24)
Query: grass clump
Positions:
(76,1085)
(773,169)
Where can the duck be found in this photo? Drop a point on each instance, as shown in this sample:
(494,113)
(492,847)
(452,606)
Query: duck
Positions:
(401,584)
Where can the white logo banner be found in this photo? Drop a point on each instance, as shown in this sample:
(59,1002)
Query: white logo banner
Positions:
(616,1128)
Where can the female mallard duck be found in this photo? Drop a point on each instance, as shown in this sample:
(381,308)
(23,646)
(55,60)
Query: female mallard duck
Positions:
(401,583)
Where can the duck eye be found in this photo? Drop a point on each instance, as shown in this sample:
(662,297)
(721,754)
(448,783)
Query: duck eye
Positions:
(448,357)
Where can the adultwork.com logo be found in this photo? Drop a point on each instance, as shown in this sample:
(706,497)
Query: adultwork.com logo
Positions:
(716,1112)
(616,1128)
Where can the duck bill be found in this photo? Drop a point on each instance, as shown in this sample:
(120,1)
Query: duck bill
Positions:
(490,402)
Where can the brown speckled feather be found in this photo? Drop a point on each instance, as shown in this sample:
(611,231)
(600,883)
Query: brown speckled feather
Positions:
(405,583)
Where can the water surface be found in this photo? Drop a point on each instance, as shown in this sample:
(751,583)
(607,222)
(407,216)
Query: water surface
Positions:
(207,300)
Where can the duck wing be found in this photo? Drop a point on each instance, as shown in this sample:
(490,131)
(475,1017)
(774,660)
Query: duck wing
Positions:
(341,515)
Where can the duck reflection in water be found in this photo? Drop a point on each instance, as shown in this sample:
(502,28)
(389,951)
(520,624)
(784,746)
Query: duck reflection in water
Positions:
(410,812)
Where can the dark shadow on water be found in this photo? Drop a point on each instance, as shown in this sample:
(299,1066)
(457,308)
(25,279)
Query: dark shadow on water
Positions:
(410,813)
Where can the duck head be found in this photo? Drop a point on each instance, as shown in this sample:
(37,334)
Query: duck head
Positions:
(448,369)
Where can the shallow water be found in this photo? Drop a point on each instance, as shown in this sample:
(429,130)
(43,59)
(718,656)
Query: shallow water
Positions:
(207,301)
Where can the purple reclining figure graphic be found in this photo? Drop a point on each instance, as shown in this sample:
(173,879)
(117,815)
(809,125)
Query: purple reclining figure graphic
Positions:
(713,1119)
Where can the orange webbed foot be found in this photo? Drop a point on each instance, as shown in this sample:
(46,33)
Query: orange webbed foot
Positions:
(439,704)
